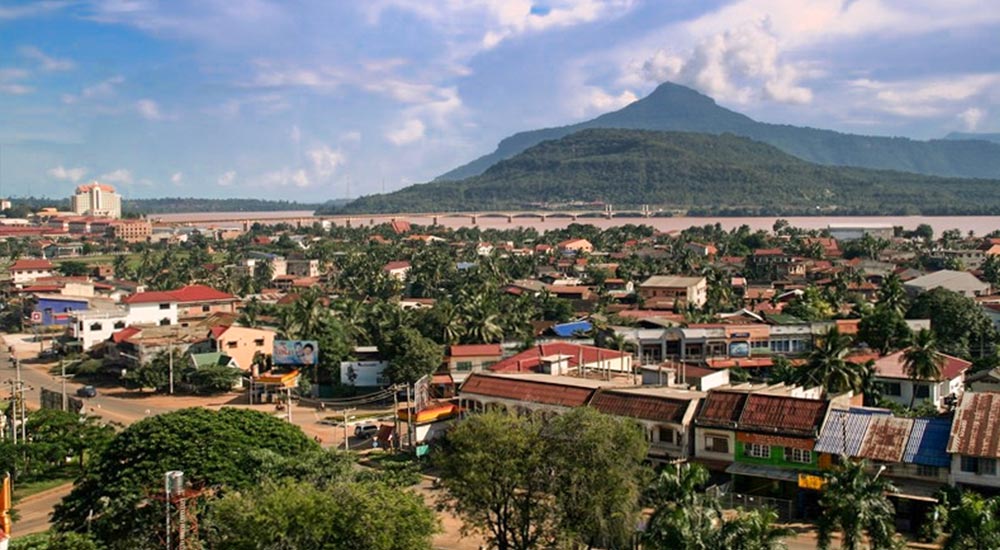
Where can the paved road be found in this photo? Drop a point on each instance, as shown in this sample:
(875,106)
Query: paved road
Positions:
(36,509)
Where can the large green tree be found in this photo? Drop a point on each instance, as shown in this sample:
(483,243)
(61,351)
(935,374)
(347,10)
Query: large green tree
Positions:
(973,523)
(411,356)
(960,326)
(296,514)
(229,447)
(884,329)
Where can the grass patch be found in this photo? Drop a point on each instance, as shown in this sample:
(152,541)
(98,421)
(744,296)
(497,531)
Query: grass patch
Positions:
(24,490)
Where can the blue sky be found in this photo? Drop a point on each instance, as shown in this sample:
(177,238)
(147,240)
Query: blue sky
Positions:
(319,99)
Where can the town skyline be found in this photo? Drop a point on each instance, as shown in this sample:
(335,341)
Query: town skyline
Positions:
(323,102)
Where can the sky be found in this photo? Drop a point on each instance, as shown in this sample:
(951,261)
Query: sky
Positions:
(312,100)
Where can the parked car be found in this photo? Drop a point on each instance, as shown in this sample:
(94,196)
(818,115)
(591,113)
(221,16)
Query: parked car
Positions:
(365,431)
(87,391)
(49,353)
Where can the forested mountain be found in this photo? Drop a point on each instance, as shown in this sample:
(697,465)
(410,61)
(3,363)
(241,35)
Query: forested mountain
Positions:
(698,173)
(995,138)
(672,107)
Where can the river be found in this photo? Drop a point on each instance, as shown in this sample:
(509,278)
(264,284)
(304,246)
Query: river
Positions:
(980,225)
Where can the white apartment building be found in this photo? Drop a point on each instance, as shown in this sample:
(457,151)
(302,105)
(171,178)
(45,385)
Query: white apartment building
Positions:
(96,199)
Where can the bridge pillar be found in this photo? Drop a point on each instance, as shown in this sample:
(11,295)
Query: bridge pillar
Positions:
(371,222)
(434,220)
(543,217)
(474,219)
(246,225)
(347,223)
(574,217)
(510,218)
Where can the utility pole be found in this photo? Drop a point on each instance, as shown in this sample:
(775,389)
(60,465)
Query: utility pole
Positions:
(62,368)
(395,416)
(347,435)
(170,353)
(13,412)
(288,405)
(409,418)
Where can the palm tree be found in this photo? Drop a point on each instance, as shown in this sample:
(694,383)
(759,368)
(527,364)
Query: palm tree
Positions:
(855,503)
(922,360)
(973,523)
(892,294)
(828,365)
(754,530)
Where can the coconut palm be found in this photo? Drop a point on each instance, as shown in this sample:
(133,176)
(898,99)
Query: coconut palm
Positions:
(754,530)
(973,523)
(829,367)
(922,360)
(854,502)
(892,295)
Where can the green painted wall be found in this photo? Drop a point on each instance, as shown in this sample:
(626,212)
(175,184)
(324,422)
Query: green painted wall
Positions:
(777,459)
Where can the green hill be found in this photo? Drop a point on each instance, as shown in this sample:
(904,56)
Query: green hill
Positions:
(672,107)
(995,138)
(699,173)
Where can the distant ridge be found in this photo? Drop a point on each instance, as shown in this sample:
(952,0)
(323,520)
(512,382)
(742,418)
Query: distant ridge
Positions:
(995,138)
(672,107)
(685,172)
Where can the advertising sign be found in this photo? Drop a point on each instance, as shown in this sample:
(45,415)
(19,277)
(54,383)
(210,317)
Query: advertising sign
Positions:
(739,349)
(295,352)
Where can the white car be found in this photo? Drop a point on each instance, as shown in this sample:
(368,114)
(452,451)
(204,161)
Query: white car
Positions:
(365,431)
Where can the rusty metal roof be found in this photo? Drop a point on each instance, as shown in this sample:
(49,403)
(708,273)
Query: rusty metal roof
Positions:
(976,429)
(533,391)
(886,438)
(783,414)
(721,408)
(646,407)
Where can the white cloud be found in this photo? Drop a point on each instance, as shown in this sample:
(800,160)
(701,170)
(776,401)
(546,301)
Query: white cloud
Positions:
(148,109)
(46,62)
(227,179)
(928,97)
(740,64)
(411,131)
(120,175)
(10,81)
(262,104)
(295,134)
(595,100)
(67,174)
(101,90)
(177,178)
(325,161)
(972,117)
(30,9)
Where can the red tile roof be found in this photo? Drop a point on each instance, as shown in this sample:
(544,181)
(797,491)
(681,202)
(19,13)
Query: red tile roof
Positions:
(778,413)
(30,264)
(188,294)
(218,331)
(534,391)
(94,185)
(976,428)
(475,350)
(530,359)
(891,366)
(125,334)
(391,266)
(635,405)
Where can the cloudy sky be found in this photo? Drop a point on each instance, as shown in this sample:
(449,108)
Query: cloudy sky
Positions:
(320,99)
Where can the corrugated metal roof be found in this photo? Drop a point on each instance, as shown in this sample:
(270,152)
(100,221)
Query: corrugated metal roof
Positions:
(721,408)
(886,438)
(928,444)
(844,431)
(783,414)
(976,430)
(647,407)
(567,330)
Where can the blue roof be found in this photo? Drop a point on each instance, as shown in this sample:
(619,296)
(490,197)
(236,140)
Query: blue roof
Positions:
(844,431)
(568,330)
(928,442)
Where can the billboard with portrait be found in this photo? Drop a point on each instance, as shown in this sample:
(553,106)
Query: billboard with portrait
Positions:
(295,352)
(739,349)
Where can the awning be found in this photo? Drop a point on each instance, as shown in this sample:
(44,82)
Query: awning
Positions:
(766,472)
(915,490)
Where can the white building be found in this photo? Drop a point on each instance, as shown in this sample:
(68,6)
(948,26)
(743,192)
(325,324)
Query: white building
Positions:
(850,232)
(973,444)
(96,199)
(898,387)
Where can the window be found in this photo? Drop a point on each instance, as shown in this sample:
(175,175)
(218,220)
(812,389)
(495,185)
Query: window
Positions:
(716,444)
(463,365)
(892,389)
(96,326)
(665,435)
(979,466)
(927,471)
(206,309)
(232,345)
(798,455)
(119,324)
(922,391)
(759,344)
(164,322)
(164,306)
(757,451)
(780,346)
(259,342)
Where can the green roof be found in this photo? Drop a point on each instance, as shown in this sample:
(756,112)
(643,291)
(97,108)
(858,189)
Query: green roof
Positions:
(210,359)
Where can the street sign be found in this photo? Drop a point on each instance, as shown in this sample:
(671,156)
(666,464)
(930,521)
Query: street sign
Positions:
(36,316)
